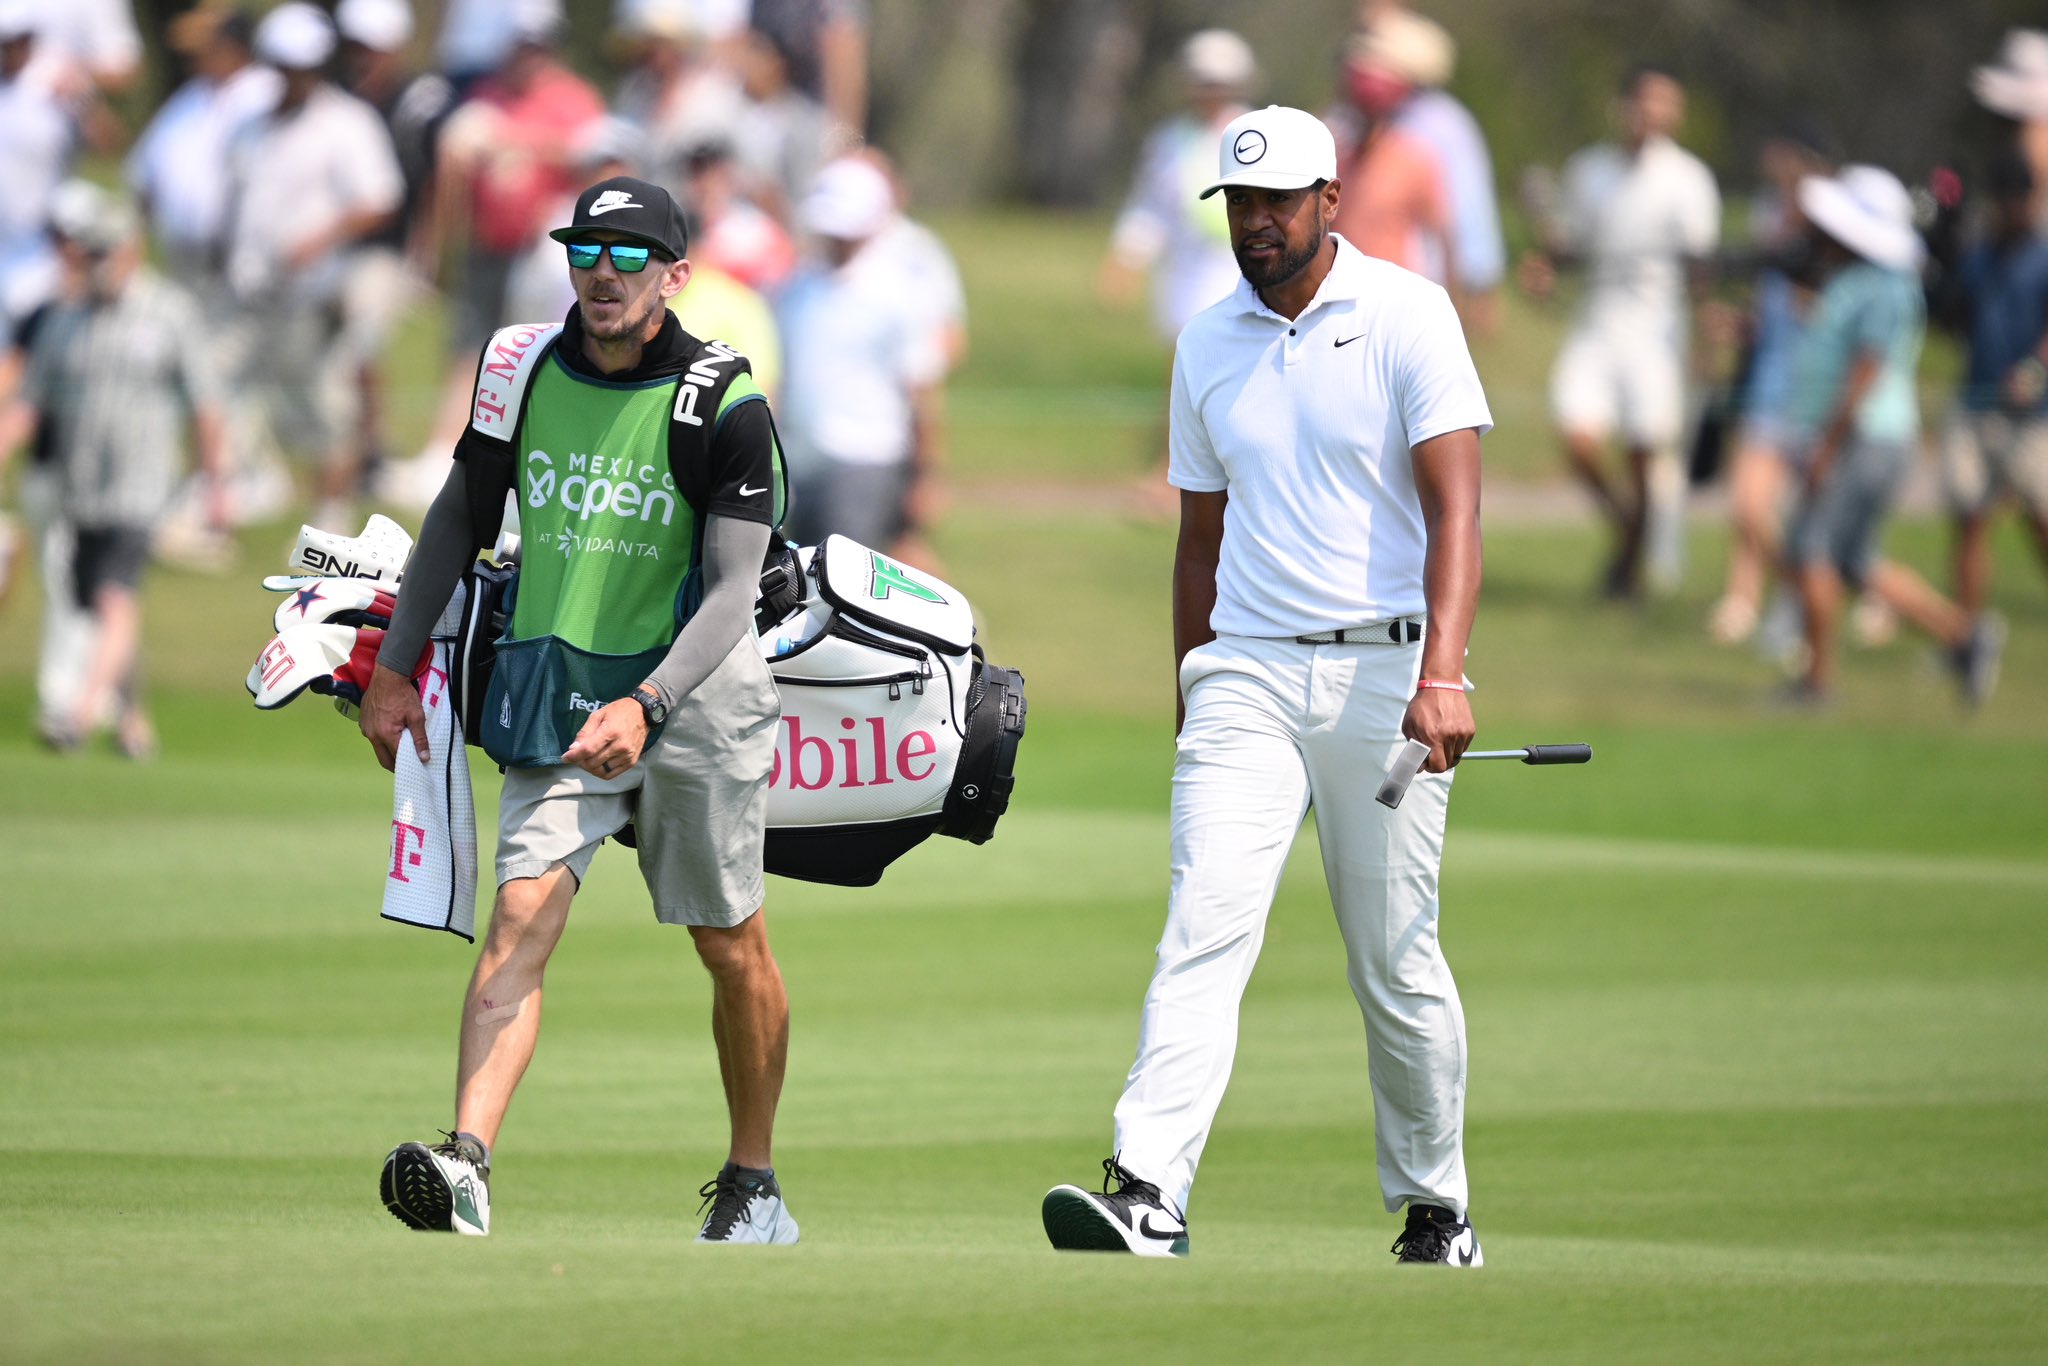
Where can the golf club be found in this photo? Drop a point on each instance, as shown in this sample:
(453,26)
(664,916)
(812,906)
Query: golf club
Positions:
(1409,761)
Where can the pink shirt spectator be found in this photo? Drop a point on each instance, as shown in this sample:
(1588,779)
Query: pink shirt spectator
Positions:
(527,166)
(1394,205)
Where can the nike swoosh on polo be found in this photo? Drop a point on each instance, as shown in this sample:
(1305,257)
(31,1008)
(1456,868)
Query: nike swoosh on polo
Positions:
(1164,1235)
(1345,342)
(613,199)
(746,492)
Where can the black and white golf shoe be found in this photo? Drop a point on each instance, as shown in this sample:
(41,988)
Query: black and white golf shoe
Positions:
(446,1187)
(1134,1217)
(1437,1237)
(743,1205)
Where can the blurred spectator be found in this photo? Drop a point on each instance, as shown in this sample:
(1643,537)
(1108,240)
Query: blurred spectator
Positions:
(98,36)
(42,106)
(716,306)
(114,431)
(1758,477)
(930,275)
(508,157)
(726,230)
(179,166)
(783,135)
(1854,421)
(384,276)
(2016,88)
(672,90)
(477,36)
(67,630)
(179,170)
(825,43)
(1640,215)
(862,369)
(1165,229)
(1395,205)
(1996,442)
(1424,56)
(313,180)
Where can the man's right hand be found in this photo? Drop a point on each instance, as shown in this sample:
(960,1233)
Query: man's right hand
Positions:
(390,709)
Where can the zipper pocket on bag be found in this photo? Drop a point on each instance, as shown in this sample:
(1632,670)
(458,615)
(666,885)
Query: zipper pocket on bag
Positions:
(894,682)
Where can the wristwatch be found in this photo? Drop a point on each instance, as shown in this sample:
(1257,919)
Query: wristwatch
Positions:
(651,705)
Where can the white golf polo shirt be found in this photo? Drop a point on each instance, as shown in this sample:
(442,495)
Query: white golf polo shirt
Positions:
(1308,426)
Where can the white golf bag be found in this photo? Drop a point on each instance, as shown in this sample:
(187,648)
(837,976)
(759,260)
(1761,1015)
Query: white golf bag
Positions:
(894,725)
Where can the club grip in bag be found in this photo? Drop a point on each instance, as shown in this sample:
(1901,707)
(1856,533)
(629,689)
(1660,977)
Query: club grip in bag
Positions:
(1559,754)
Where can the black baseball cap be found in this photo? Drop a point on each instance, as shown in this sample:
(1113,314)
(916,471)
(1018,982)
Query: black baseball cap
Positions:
(634,208)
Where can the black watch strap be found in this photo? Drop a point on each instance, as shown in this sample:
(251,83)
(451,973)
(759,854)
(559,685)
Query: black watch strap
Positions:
(651,705)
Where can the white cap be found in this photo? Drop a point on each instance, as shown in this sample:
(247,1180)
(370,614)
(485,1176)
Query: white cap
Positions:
(295,36)
(1275,148)
(18,18)
(536,21)
(850,200)
(1867,210)
(1216,56)
(2018,86)
(380,25)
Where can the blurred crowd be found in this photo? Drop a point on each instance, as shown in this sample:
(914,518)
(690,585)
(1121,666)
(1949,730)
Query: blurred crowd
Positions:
(306,186)
(1784,356)
(309,183)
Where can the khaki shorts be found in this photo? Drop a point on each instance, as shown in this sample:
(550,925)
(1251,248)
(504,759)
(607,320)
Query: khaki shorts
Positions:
(698,800)
(1983,455)
(1602,384)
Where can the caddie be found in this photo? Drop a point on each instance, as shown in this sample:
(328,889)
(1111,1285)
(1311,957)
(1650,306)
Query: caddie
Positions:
(628,687)
(1325,425)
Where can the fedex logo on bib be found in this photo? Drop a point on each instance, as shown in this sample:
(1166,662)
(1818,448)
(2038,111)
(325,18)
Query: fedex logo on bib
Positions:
(864,755)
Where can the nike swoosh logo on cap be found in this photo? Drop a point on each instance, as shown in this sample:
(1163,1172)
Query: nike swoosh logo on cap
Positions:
(613,199)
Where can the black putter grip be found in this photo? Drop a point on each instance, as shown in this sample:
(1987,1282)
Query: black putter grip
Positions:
(1559,754)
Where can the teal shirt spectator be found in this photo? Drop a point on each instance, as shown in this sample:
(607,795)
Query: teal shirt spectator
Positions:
(1864,308)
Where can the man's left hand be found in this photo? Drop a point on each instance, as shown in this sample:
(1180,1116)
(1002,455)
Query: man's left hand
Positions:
(1441,719)
(611,740)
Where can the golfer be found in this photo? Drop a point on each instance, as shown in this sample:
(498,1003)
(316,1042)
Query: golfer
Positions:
(632,688)
(1325,438)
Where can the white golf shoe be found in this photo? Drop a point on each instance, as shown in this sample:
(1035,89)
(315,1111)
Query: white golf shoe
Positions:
(742,1205)
(1134,1217)
(446,1187)
(1436,1237)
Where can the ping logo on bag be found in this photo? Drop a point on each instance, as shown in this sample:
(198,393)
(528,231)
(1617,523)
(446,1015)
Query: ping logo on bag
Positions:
(700,376)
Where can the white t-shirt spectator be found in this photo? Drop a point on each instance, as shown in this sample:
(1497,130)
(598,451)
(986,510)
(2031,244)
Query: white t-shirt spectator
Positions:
(179,167)
(38,138)
(931,278)
(1165,227)
(1635,220)
(856,342)
(99,35)
(297,173)
(1309,426)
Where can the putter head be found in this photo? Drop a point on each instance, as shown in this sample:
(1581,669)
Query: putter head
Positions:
(1401,773)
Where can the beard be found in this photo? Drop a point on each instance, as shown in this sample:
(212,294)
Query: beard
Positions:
(1278,270)
(629,323)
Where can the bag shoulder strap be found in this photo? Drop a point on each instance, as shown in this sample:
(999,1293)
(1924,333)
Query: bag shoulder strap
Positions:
(717,378)
(504,382)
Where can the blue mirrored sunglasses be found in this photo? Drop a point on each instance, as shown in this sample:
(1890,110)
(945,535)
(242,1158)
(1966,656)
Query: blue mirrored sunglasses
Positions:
(626,258)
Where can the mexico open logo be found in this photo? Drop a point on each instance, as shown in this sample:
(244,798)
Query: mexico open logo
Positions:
(597,484)
(1249,147)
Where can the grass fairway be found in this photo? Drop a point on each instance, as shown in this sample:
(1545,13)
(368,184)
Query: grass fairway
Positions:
(1757,1002)
(1756,1008)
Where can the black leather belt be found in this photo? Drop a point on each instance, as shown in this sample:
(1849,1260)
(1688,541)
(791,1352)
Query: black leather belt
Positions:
(1399,631)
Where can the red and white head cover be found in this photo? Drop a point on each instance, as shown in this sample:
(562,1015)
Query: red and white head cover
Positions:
(330,659)
(333,602)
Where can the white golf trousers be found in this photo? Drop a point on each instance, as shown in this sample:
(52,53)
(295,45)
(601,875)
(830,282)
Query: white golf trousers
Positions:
(1272,728)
